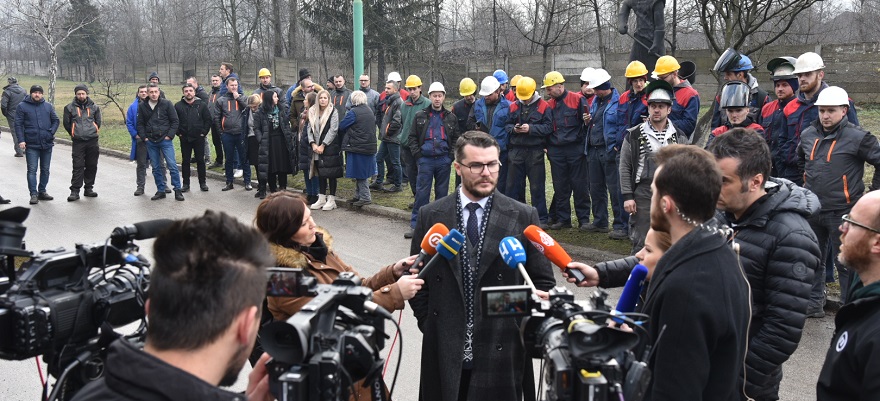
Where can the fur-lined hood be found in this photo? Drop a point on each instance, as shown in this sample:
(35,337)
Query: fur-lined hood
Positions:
(294,258)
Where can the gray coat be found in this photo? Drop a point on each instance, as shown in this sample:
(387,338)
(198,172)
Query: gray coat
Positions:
(499,357)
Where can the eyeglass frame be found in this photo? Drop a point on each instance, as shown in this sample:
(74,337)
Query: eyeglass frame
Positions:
(483,166)
(846,221)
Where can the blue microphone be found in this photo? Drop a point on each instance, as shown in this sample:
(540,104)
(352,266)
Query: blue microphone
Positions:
(632,289)
(448,248)
(514,255)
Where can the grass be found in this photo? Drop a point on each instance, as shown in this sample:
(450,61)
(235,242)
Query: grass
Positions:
(115,135)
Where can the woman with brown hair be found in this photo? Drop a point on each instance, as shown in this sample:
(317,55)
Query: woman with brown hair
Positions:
(326,146)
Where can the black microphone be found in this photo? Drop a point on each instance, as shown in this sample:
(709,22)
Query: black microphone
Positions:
(448,248)
(137,231)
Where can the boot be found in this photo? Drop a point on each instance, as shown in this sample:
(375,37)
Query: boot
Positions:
(178,195)
(90,193)
(261,192)
(74,196)
(4,201)
(320,201)
(331,203)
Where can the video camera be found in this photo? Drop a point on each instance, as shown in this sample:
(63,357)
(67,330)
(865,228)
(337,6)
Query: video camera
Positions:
(56,302)
(334,341)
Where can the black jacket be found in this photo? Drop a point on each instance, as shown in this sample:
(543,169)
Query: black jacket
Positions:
(82,120)
(462,110)
(420,129)
(391,122)
(538,116)
(263,130)
(13,94)
(132,374)
(156,124)
(699,299)
(195,119)
(360,137)
(779,254)
(229,112)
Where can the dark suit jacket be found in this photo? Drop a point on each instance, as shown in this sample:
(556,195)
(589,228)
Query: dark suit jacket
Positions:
(499,357)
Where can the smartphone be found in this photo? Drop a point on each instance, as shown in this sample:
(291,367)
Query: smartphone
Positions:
(283,282)
(507,301)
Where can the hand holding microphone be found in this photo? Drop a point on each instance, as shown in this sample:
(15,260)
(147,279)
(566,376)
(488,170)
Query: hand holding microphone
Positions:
(554,252)
(429,244)
(409,285)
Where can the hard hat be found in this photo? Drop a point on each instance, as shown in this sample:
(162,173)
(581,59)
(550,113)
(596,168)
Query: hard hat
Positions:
(734,94)
(552,78)
(636,69)
(733,61)
(413,81)
(832,96)
(501,76)
(489,86)
(743,65)
(808,62)
(665,65)
(394,76)
(781,68)
(515,80)
(436,87)
(264,72)
(525,88)
(587,74)
(467,87)
(659,91)
(600,76)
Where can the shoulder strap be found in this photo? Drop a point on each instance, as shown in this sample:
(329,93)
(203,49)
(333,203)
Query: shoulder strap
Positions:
(326,126)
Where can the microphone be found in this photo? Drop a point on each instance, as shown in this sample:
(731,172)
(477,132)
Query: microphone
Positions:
(429,243)
(630,295)
(514,255)
(552,250)
(448,248)
(137,231)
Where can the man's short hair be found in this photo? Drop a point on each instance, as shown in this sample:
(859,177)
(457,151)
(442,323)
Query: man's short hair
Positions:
(207,270)
(749,147)
(479,139)
(187,86)
(152,85)
(144,86)
(339,76)
(358,98)
(691,177)
(394,84)
(196,80)
(228,66)
(216,75)
(231,79)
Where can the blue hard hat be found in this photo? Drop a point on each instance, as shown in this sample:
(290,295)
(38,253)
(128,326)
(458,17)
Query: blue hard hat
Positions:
(744,64)
(501,76)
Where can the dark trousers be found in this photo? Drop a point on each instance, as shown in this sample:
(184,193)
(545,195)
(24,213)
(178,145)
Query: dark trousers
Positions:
(217,140)
(253,156)
(327,183)
(85,164)
(187,148)
(431,170)
(11,121)
(528,163)
(502,173)
(605,180)
(640,221)
(826,225)
(278,181)
(388,155)
(568,169)
(410,166)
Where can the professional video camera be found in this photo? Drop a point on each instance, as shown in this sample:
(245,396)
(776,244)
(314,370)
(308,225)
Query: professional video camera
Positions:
(57,301)
(330,344)
(584,358)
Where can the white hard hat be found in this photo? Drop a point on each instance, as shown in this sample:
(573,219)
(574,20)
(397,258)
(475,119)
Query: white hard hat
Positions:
(808,62)
(489,85)
(587,74)
(599,77)
(832,96)
(436,87)
(394,76)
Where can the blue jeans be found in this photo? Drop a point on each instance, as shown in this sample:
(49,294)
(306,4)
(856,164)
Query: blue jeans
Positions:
(33,157)
(528,163)
(158,151)
(605,180)
(568,169)
(826,225)
(311,184)
(236,156)
(431,169)
(389,154)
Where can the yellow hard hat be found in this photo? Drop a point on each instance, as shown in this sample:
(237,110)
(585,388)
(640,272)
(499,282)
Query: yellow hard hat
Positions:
(636,69)
(526,88)
(515,80)
(553,78)
(665,65)
(467,87)
(264,72)
(413,81)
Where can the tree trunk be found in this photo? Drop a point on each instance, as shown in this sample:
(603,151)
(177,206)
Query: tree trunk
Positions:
(53,72)
(276,29)
(436,58)
(292,31)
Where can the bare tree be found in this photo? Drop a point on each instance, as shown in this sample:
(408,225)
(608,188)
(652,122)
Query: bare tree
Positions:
(110,90)
(550,26)
(748,25)
(48,20)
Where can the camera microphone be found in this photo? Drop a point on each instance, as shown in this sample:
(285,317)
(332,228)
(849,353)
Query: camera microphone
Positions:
(138,231)
(514,255)
(448,248)
(552,250)
(630,295)
(429,243)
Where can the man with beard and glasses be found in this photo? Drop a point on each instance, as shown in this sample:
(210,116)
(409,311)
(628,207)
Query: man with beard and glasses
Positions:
(206,290)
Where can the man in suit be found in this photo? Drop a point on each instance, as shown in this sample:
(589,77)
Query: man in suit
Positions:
(464,356)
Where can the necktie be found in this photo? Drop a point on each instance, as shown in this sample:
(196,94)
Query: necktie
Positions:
(473,225)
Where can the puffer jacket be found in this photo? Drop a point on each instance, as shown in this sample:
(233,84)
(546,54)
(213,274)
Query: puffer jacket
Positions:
(82,120)
(36,123)
(779,254)
(156,124)
(229,112)
(263,130)
(359,130)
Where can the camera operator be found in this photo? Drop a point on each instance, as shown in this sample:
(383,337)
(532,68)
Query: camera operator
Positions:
(206,288)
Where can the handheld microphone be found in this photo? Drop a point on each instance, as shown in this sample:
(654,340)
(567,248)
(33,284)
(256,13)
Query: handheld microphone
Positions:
(552,250)
(630,295)
(514,255)
(138,231)
(448,248)
(429,243)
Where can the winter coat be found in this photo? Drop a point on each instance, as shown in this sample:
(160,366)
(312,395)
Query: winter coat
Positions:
(419,132)
(282,100)
(834,163)
(359,131)
(303,145)
(339,98)
(748,123)
(156,124)
(36,123)
(131,124)
(568,120)
(462,110)
(699,299)
(263,131)
(229,112)
(631,158)
(195,119)
(758,98)
(82,120)
(685,108)
(538,116)
(479,120)
(631,110)
(779,254)
(610,129)
(408,112)
(390,125)
(224,90)
(330,163)
(13,94)
(782,151)
(296,99)
(202,94)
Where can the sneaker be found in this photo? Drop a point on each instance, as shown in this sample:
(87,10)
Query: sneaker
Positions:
(203,187)
(376,186)
(34,200)
(361,203)
(90,193)
(559,225)
(593,228)
(178,195)
(353,200)
(394,188)
(184,188)
(408,234)
(618,235)
(74,196)
(237,173)
(158,195)
(44,196)
(139,191)
(228,187)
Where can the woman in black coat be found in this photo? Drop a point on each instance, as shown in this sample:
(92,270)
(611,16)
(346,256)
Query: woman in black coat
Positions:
(305,150)
(277,155)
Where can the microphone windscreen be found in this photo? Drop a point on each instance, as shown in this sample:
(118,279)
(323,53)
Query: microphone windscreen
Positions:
(512,251)
(433,237)
(630,295)
(450,244)
(150,229)
(547,246)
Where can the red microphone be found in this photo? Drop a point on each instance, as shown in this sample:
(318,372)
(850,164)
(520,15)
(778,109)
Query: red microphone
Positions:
(429,243)
(552,250)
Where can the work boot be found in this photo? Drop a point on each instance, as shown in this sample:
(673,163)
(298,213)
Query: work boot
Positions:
(228,187)
(34,200)
(90,193)
(331,203)
(158,195)
(4,201)
(184,188)
(376,186)
(139,191)
(74,196)
(394,188)
(167,190)
(178,195)
(593,228)
(44,196)
(618,235)
(361,203)
(203,187)
(248,186)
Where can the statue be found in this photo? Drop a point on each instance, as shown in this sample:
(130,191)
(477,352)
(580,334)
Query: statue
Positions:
(648,42)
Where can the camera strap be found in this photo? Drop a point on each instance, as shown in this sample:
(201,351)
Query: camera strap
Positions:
(378,391)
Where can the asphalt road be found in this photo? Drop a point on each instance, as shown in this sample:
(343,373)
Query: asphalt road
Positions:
(365,240)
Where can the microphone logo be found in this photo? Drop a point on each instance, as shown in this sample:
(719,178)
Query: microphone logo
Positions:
(434,239)
(546,239)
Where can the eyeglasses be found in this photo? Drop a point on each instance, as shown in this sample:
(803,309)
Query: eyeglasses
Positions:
(477,168)
(844,225)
